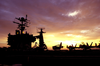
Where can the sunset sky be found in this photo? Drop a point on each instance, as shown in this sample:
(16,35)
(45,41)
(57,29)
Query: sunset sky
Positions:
(66,21)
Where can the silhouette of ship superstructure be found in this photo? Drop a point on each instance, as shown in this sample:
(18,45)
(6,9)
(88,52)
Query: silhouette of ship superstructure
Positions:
(42,46)
(23,40)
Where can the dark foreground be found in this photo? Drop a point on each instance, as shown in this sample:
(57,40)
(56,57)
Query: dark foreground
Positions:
(53,58)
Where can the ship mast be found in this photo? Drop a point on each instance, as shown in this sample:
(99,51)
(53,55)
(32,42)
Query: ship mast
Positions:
(23,24)
(41,40)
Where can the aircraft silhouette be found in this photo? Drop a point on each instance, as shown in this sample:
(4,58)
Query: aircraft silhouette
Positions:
(57,47)
(71,47)
(85,47)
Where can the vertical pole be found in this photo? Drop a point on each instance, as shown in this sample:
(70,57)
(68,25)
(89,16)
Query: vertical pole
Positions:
(22,28)
(41,39)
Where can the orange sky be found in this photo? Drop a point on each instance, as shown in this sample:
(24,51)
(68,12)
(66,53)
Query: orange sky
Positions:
(66,21)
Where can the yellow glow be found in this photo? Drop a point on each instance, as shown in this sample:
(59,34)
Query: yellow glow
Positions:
(54,39)
(17,32)
(69,34)
(78,36)
(73,35)
(33,44)
(69,43)
(50,35)
(68,39)
(84,31)
(23,31)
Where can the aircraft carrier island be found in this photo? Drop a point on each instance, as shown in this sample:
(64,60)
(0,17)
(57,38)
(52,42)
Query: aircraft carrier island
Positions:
(22,41)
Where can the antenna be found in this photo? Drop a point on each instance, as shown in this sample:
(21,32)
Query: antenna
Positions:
(23,24)
(41,30)
(26,17)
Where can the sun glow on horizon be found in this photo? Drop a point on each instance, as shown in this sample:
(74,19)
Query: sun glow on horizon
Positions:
(54,39)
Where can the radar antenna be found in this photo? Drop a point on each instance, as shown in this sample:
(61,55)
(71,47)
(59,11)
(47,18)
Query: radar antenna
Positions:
(41,40)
